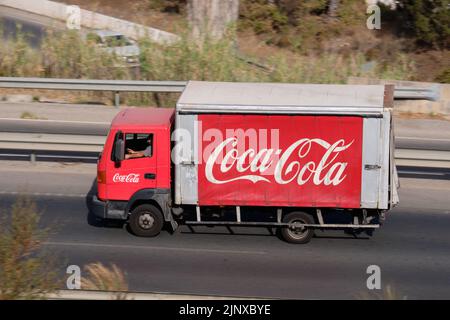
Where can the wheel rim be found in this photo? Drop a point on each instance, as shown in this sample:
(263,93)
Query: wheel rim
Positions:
(146,221)
(295,231)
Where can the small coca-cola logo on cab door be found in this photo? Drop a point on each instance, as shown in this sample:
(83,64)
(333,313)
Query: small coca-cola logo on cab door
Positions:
(129,178)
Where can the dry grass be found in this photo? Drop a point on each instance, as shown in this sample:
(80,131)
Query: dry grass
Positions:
(26,270)
(103,278)
(430,116)
(30,115)
(389,292)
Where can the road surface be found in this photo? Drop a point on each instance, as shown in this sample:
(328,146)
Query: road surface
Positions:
(412,248)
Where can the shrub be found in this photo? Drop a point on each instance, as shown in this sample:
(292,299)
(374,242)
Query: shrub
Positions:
(26,271)
(427,20)
(444,76)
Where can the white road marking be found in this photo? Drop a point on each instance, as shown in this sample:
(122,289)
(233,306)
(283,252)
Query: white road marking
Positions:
(105,245)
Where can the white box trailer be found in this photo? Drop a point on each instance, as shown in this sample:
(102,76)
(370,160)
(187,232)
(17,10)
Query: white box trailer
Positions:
(361,113)
(371,103)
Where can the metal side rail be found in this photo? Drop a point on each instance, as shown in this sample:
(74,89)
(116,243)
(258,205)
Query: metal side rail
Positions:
(282,224)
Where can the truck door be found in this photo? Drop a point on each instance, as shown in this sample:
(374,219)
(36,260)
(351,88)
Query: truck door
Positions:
(137,170)
(375,166)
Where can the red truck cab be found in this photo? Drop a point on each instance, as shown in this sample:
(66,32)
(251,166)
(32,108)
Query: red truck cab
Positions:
(122,183)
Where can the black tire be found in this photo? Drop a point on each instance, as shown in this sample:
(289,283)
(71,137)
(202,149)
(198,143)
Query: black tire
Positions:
(298,236)
(146,220)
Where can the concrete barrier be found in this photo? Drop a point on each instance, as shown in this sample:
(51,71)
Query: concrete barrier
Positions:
(441,106)
(91,20)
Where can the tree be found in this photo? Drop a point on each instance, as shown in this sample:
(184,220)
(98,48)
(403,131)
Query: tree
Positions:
(210,18)
(427,20)
(333,6)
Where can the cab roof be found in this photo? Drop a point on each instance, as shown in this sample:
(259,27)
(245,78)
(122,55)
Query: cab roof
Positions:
(144,117)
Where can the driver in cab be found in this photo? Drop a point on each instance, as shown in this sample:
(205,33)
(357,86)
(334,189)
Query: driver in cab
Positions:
(147,152)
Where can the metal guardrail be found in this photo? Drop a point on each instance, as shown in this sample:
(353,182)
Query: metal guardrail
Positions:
(51,142)
(422,158)
(158,86)
(115,86)
(86,147)
(92,85)
(415,93)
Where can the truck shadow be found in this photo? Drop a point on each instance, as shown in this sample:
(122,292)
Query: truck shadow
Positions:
(91,219)
(270,232)
(331,217)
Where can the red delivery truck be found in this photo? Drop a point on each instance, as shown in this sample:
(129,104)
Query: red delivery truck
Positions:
(295,157)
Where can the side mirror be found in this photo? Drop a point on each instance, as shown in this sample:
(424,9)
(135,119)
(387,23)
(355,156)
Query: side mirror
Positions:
(119,151)
(119,148)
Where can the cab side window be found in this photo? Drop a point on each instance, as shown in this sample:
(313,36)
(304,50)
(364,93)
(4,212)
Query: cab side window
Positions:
(138,145)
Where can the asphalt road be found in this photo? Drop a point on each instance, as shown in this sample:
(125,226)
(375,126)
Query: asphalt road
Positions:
(412,248)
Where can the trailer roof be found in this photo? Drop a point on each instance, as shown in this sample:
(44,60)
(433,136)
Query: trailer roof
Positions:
(282,98)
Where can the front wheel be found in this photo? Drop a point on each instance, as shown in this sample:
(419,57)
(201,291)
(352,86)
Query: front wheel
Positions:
(295,233)
(146,221)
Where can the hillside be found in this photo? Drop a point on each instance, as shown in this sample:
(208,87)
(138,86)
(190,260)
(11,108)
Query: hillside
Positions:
(260,37)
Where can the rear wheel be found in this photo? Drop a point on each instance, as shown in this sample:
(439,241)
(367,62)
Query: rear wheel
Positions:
(146,221)
(295,233)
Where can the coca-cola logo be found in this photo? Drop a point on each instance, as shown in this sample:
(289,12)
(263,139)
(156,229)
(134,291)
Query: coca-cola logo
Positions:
(290,165)
(128,178)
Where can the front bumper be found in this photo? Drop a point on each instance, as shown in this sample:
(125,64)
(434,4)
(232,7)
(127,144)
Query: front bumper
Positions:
(98,207)
(107,209)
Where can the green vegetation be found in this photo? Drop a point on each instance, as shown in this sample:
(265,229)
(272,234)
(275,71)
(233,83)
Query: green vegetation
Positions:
(427,20)
(26,271)
(297,24)
(30,115)
(67,55)
(444,76)
(64,55)
(302,25)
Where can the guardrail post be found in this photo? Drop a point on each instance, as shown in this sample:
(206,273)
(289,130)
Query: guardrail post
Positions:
(32,157)
(117,99)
